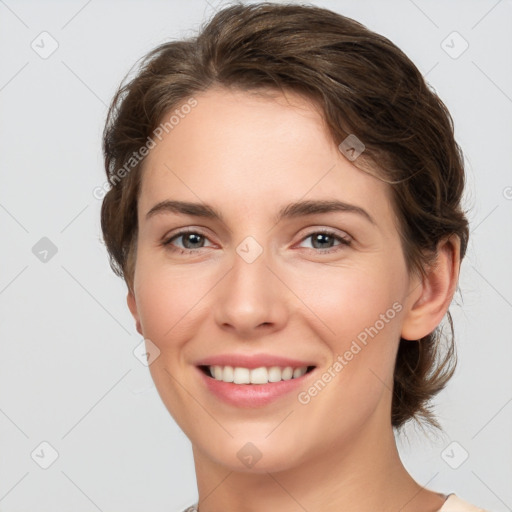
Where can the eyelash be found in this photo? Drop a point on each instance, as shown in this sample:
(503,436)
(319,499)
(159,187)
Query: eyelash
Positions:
(343,241)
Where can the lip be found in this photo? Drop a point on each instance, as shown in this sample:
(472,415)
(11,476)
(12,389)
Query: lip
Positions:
(252,395)
(253,361)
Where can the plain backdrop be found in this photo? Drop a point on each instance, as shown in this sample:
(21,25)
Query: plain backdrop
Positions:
(73,397)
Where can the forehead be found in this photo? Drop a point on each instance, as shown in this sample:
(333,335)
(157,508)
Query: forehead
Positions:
(248,152)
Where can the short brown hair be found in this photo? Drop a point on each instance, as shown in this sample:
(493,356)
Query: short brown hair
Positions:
(364,85)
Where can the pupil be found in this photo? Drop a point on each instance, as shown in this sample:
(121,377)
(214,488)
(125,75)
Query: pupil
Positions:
(321,238)
(190,239)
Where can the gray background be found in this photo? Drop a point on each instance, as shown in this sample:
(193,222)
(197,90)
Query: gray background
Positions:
(68,376)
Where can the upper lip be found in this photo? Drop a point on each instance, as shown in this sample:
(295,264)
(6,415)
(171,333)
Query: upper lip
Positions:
(252,361)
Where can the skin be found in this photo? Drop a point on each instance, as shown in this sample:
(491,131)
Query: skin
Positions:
(248,155)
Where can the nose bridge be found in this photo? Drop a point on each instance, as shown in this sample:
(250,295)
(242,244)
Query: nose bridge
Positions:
(249,295)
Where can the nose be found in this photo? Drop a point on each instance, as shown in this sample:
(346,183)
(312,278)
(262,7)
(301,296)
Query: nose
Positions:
(251,300)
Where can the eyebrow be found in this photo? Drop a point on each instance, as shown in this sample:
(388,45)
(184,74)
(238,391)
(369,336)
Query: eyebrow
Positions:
(290,211)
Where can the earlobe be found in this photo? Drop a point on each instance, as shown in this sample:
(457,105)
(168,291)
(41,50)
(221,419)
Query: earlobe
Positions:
(132,306)
(437,289)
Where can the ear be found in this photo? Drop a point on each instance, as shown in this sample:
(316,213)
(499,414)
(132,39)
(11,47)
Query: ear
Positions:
(132,305)
(431,298)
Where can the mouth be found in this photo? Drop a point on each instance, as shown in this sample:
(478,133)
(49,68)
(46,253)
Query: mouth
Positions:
(258,376)
(253,388)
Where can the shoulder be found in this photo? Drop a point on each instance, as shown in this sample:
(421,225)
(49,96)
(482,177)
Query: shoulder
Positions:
(456,504)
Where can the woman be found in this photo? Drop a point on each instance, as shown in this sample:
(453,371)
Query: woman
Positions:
(285,210)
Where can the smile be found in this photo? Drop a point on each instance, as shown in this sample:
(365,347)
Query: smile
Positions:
(261,375)
(254,385)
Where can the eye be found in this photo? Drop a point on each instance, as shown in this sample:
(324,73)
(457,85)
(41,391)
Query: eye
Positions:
(191,241)
(324,240)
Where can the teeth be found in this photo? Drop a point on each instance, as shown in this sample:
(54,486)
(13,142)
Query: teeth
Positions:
(259,376)
(287,373)
(262,375)
(298,372)
(227,375)
(242,376)
(217,372)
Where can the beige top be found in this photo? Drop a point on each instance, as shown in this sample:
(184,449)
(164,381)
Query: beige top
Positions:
(452,504)
(455,504)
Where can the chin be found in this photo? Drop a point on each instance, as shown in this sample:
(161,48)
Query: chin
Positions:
(240,454)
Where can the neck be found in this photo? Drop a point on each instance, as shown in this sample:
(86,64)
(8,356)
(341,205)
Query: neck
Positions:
(363,474)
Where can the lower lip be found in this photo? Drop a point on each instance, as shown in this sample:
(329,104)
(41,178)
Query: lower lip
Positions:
(251,395)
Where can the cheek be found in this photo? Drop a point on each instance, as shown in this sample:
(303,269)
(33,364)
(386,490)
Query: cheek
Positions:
(170,307)
(349,300)
(169,300)
(362,309)
(358,317)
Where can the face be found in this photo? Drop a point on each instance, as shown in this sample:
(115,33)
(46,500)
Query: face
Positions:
(242,280)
